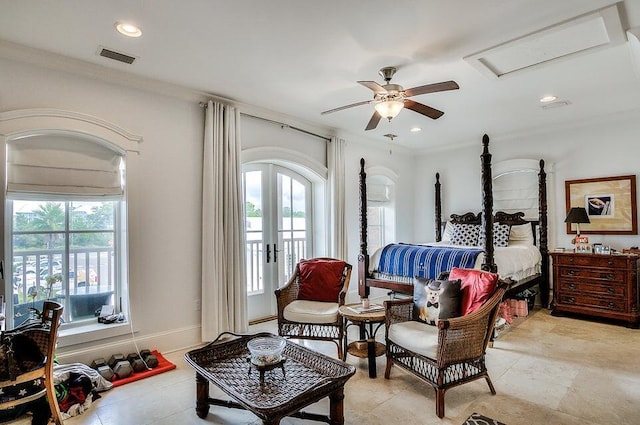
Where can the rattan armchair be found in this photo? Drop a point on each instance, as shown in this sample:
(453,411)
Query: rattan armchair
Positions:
(43,333)
(447,355)
(307,319)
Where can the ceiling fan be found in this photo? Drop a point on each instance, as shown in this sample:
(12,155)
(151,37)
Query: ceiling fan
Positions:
(390,99)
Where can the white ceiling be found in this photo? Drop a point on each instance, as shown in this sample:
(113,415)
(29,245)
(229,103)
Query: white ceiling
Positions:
(299,58)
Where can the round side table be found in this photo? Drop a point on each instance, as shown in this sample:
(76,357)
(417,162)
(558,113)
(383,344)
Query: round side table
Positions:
(367,346)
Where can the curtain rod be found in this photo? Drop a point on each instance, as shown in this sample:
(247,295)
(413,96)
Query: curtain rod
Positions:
(281,124)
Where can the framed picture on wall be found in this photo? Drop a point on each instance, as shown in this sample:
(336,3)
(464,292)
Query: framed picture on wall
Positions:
(610,203)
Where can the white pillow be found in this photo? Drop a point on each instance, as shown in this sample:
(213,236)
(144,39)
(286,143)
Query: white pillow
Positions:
(521,234)
(448,231)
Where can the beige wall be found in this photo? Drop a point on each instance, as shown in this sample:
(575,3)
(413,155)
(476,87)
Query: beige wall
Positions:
(607,147)
(165,201)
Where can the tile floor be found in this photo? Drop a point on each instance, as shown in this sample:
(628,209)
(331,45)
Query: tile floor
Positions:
(546,370)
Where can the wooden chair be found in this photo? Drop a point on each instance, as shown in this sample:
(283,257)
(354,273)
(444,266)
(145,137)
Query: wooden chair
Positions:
(44,334)
(308,319)
(444,356)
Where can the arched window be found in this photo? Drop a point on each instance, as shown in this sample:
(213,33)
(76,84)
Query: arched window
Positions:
(65,214)
(381,212)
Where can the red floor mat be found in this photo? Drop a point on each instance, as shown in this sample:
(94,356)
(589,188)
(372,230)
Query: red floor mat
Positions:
(163,366)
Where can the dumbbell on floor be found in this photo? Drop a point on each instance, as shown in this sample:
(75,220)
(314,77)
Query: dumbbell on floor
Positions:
(103,368)
(149,359)
(121,367)
(136,362)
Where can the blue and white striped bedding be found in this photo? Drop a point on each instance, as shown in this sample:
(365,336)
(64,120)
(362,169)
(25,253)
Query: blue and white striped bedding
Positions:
(409,261)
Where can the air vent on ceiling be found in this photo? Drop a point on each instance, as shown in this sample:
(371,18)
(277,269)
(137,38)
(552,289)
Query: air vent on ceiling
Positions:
(586,33)
(558,104)
(120,57)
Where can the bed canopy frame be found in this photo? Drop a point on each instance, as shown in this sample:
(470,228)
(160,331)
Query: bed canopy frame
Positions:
(486,218)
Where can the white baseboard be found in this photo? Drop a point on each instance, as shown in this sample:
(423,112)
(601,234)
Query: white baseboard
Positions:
(165,342)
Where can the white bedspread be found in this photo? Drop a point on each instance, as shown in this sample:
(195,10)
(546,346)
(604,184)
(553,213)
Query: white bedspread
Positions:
(514,261)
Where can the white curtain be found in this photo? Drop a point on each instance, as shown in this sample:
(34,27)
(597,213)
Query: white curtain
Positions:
(224,292)
(336,193)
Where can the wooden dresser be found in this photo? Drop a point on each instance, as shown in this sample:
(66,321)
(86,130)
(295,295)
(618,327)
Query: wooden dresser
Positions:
(596,285)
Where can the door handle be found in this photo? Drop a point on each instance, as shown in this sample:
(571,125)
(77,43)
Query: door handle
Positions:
(275,253)
(268,253)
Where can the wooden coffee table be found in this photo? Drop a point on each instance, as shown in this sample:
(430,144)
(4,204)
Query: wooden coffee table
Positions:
(367,346)
(306,377)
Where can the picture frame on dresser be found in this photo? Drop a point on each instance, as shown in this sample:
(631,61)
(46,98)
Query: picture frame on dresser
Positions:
(610,203)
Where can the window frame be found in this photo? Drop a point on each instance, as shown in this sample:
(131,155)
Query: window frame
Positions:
(19,123)
(67,232)
(382,177)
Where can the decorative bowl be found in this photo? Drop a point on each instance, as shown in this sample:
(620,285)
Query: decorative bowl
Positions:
(266,350)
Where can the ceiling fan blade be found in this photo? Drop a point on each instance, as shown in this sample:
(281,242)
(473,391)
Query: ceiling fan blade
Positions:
(364,102)
(373,122)
(423,109)
(432,88)
(377,88)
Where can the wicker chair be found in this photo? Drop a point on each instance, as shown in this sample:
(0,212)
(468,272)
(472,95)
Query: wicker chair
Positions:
(315,320)
(44,334)
(444,356)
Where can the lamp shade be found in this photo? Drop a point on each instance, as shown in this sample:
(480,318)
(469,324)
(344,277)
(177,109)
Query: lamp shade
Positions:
(577,215)
(389,108)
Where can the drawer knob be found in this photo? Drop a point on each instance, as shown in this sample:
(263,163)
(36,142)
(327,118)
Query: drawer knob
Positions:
(610,290)
(571,300)
(611,305)
(610,263)
(571,272)
(572,285)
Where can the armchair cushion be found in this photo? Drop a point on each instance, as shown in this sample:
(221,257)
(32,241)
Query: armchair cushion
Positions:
(477,287)
(415,336)
(320,279)
(318,312)
(435,300)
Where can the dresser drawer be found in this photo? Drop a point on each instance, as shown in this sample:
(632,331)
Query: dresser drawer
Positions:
(607,261)
(614,275)
(581,300)
(571,287)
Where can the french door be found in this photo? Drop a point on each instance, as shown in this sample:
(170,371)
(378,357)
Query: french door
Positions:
(278,231)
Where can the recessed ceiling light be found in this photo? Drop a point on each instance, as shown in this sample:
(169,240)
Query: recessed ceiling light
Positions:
(130,30)
(416,129)
(548,98)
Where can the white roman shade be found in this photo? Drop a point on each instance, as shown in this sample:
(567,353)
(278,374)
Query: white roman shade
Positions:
(378,193)
(63,164)
(517,191)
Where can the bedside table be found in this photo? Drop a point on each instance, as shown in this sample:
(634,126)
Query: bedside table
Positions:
(596,285)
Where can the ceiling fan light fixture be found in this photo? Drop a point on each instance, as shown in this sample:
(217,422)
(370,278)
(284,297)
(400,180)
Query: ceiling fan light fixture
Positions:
(389,108)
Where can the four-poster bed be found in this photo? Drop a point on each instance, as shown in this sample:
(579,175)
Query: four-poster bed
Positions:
(420,259)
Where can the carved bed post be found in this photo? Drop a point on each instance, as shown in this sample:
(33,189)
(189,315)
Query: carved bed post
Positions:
(487,208)
(438,210)
(542,244)
(363,257)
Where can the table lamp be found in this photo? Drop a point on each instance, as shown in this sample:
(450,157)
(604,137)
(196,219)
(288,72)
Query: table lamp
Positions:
(577,215)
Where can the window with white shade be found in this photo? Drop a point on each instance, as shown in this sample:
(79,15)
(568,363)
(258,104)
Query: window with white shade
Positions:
(380,212)
(66,213)
(515,187)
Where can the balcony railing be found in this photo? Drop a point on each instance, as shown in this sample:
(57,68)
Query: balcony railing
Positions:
(87,273)
(290,254)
